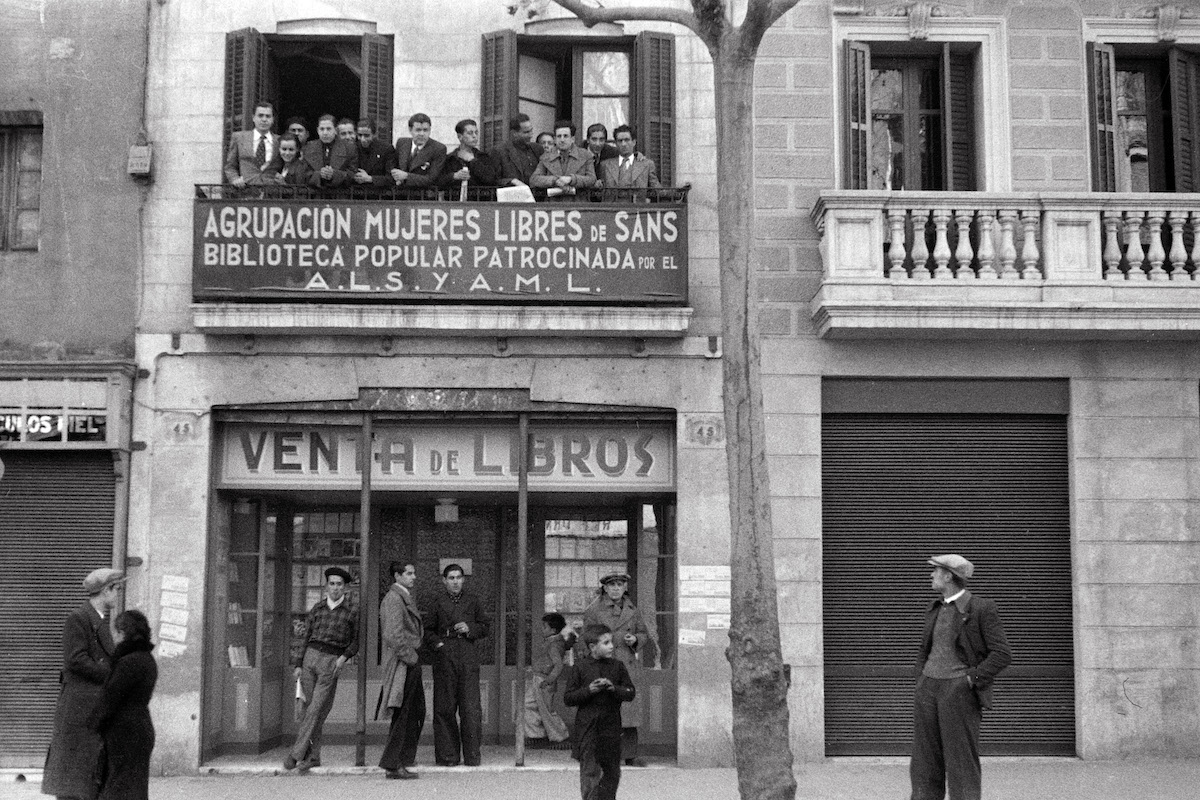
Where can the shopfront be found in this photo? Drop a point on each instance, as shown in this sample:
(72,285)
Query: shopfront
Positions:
(291,499)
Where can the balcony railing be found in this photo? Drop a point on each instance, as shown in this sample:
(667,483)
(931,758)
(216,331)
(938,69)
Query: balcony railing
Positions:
(473,194)
(943,263)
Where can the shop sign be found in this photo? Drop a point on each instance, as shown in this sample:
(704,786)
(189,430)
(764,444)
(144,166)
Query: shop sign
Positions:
(17,425)
(429,458)
(461,252)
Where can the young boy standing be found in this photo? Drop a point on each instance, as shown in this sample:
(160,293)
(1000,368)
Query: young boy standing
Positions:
(598,686)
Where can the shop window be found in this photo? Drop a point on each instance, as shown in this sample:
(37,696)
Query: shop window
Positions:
(1144,118)
(909,116)
(347,76)
(320,540)
(608,80)
(20,181)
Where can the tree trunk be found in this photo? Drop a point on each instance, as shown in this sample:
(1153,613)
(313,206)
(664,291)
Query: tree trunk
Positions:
(760,678)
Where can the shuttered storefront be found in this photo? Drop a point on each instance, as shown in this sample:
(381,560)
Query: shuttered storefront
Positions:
(898,488)
(56,525)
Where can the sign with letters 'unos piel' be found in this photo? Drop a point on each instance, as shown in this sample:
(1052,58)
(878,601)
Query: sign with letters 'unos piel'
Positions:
(595,458)
(462,252)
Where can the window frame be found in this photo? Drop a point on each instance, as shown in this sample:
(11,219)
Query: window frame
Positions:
(12,137)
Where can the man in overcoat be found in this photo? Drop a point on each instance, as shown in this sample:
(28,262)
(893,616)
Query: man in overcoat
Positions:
(454,622)
(615,610)
(566,170)
(401,691)
(963,649)
(73,760)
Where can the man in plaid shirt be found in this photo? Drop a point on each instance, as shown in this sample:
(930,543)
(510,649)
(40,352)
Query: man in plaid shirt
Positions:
(331,641)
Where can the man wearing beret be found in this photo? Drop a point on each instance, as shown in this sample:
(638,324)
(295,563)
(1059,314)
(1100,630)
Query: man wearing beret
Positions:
(74,754)
(331,639)
(963,649)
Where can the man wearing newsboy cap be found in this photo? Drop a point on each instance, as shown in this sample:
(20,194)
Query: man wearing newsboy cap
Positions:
(330,640)
(74,753)
(963,649)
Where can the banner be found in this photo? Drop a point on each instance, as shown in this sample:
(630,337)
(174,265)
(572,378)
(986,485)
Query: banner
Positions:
(462,252)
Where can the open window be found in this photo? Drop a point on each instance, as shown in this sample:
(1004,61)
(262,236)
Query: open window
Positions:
(1144,118)
(347,76)
(908,111)
(611,80)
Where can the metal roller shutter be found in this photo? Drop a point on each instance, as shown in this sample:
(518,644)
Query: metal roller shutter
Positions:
(56,526)
(898,488)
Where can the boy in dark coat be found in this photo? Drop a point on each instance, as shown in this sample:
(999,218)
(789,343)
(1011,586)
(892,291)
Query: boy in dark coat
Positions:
(123,716)
(598,687)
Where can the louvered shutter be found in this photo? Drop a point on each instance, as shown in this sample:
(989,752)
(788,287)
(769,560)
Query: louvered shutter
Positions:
(56,526)
(499,87)
(247,80)
(958,86)
(654,102)
(856,113)
(375,101)
(1102,115)
(899,488)
(1185,117)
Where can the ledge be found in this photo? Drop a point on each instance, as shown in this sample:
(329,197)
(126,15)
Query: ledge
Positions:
(429,320)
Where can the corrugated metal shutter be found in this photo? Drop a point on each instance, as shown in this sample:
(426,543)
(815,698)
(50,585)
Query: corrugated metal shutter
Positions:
(56,526)
(898,488)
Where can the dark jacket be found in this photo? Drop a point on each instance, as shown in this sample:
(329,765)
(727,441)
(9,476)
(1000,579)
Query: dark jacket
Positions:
(343,157)
(123,719)
(424,166)
(378,161)
(517,160)
(73,758)
(599,714)
(978,639)
(442,614)
(484,170)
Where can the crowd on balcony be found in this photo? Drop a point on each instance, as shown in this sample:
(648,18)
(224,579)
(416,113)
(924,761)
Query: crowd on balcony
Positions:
(348,157)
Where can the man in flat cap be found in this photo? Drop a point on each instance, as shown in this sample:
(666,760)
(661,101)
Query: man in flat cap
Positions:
(963,649)
(614,609)
(74,753)
(330,640)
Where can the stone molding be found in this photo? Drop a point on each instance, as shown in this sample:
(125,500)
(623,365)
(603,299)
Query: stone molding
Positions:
(1166,17)
(919,13)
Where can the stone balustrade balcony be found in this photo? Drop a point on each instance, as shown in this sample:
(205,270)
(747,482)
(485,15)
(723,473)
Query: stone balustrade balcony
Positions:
(976,265)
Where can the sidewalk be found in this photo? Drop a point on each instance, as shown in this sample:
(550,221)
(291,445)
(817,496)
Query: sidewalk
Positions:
(833,779)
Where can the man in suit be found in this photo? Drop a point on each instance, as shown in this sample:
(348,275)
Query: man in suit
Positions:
(71,762)
(597,143)
(630,169)
(401,691)
(251,151)
(467,162)
(963,649)
(331,160)
(566,170)
(419,159)
(376,159)
(347,130)
(518,158)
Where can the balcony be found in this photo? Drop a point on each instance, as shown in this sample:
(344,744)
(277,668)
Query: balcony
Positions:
(976,265)
(292,260)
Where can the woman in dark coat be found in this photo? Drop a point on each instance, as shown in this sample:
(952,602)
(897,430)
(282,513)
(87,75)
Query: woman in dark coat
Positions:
(123,716)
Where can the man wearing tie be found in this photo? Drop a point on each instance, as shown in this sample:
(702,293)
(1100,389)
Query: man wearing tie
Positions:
(630,169)
(419,158)
(251,151)
(331,160)
(568,168)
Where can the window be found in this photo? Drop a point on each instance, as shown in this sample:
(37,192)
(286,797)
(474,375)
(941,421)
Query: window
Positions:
(1145,118)
(20,183)
(611,80)
(909,116)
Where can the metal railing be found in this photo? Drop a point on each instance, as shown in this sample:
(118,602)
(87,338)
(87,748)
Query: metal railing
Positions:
(373,194)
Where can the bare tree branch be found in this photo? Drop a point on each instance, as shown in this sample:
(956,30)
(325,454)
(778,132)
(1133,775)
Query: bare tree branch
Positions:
(592,15)
(760,16)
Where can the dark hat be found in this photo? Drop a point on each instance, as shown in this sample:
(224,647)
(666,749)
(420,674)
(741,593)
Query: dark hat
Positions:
(100,579)
(613,577)
(957,564)
(339,572)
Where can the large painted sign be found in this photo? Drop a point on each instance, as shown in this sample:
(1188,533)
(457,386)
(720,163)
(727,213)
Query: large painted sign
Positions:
(462,252)
(454,458)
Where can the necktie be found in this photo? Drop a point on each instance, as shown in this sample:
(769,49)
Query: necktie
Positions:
(328,151)
(627,163)
(260,155)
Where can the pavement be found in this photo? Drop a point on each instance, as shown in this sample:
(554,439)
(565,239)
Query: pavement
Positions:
(548,775)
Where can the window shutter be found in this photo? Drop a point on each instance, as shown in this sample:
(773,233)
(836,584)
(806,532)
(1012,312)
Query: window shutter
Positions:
(376,99)
(1102,116)
(958,86)
(247,79)
(1185,117)
(499,87)
(654,103)
(856,112)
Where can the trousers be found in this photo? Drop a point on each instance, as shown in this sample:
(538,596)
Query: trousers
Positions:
(457,709)
(319,682)
(599,764)
(407,722)
(945,752)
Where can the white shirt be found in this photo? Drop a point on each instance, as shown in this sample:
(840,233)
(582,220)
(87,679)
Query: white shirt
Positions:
(954,596)
(332,605)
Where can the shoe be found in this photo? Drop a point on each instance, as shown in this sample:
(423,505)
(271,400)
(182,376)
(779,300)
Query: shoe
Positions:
(447,763)
(634,762)
(289,763)
(306,765)
(470,763)
(401,774)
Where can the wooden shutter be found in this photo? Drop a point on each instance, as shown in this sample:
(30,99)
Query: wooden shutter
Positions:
(958,89)
(56,526)
(375,101)
(1184,68)
(856,113)
(654,101)
(1102,115)
(499,87)
(247,80)
(899,488)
